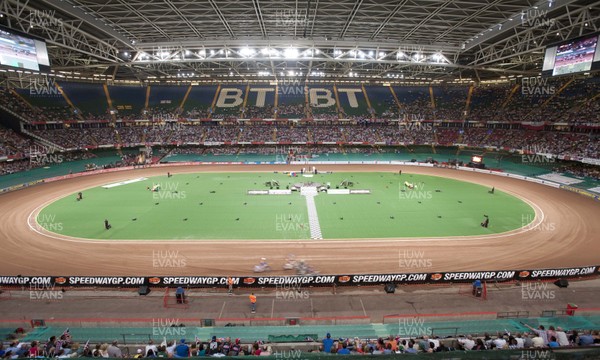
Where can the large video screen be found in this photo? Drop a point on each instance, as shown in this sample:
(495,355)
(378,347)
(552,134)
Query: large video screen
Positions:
(573,56)
(22,51)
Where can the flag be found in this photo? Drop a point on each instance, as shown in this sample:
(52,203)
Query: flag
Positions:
(66,334)
(196,340)
(164,343)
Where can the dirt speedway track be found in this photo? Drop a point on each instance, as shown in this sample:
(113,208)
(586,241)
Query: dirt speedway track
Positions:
(566,234)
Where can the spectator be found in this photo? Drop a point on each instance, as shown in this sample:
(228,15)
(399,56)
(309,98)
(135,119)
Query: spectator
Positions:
(182,350)
(586,339)
(561,337)
(500,342)
(171,345)
(149,347)
(479,345)
(467,343)
(409,347)
(162,352)
(541,332)
(150,353)
(104,350)
(327,343)
(256,349)
(266,351)
(538,341)
(344,350)
(114,351)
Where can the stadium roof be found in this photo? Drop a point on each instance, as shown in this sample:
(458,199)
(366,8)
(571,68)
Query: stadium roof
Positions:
(362,40)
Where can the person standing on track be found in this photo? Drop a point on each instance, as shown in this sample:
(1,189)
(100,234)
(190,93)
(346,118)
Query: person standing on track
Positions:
(229,286)
(252,302)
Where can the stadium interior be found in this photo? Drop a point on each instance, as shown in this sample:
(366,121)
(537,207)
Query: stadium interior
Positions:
(102,92)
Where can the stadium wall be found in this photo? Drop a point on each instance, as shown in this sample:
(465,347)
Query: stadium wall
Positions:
(302,281)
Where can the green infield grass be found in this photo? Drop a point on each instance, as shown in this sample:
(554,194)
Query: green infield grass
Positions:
(218,206)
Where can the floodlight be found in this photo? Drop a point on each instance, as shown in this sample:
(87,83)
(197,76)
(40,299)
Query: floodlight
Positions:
(290,53)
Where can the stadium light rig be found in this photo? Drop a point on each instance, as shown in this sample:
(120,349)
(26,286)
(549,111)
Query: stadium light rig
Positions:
(247,52)
(290,53)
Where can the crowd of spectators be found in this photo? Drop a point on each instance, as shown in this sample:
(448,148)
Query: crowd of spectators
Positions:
(291,134)
(391,112)
(126,160)
(11,167)
(394,133)
(259,133)
(161,114)
(77,138)
(579,170)
(538,339)
(256,112)
(197,113)
(487,100)
(291,111)
(13,144)
(520,100)
(17,106)
(398,125)
(14,166)
(448,102)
